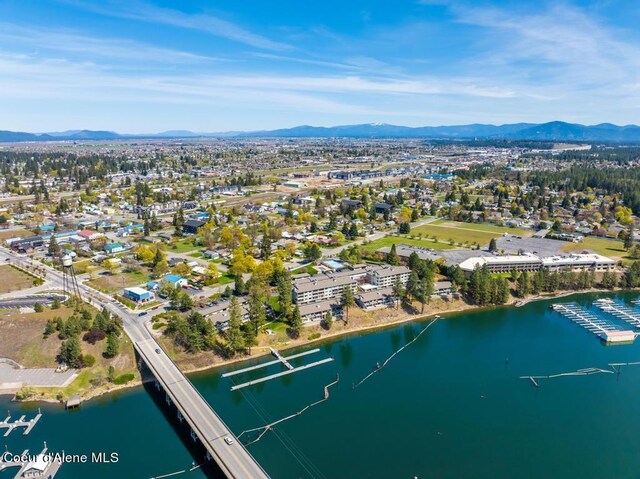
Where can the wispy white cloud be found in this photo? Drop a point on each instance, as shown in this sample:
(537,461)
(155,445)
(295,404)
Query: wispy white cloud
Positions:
(65,42)
(562,42)
(146,12)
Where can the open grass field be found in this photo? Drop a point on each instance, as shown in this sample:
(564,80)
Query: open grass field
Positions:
(182,246)
(109,283)
(468,233)
(22,340)
(15,233)
(12,279)
(389,240)
(606,247)
(83,266)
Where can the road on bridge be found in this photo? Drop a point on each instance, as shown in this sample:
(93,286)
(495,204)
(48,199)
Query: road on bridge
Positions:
(234,460)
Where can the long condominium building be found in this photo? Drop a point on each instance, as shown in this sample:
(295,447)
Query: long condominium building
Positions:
(531,262)
(330,286)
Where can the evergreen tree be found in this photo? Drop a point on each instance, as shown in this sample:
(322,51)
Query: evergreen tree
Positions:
(522,287)
(113,346)
(493,246)
(240,287)
(425,290)
(295,323)
(392,256)
(628,240)
(414,261)
(257,311)
(234,335)
(398,292)
(608,280)
(54,248)
(503,291)
(71,352)
(413,284)
(327,322)
(265,247)
(347,301)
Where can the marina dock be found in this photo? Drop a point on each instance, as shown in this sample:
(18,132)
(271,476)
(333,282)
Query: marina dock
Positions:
(283,373)
(600,327)
(270,363)
(620,311)
(22,422)
(42,466)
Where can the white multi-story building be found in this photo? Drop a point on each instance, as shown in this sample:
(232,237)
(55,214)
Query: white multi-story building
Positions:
(531,262)
(386,276)
(326,288)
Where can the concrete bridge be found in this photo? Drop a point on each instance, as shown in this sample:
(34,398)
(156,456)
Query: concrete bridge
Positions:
(233,459)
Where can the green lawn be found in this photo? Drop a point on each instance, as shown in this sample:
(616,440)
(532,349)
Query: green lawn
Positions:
(274,302)
(80,267)
(278,327)
(606,247)
(305,269)
(486,227)
(471,233)
(225,278)
(389,240)
(182,246)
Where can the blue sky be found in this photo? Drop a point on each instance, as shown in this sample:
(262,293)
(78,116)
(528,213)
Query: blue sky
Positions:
(152,65)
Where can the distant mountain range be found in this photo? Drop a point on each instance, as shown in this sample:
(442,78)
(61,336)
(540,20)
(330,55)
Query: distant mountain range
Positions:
(553,131)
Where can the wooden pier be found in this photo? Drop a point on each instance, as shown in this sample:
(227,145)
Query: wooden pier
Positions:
(22,422)
(283,373)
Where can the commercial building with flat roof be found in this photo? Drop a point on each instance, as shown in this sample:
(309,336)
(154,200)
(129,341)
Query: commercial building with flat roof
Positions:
(137,294)
(531,262)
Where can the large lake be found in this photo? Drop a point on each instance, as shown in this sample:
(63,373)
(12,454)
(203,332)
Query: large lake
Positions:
(449,406)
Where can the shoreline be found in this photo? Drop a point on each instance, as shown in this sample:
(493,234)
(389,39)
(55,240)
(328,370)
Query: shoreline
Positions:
(369,328)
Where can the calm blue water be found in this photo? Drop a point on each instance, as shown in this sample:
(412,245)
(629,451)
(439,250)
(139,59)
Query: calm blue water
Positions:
(448,406)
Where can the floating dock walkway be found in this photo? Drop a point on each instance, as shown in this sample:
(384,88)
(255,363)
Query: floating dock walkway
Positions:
(580,372)
(270,363)
(279,359)
(600,327)
(620,311)
(283,373)
(22,422)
